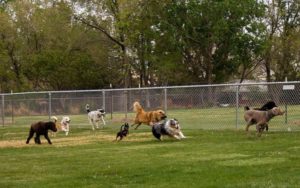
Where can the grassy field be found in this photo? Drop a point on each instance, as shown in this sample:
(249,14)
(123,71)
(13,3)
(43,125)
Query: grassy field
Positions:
(206,158)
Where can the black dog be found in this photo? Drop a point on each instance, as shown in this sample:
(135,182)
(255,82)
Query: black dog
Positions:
(124,130)
(268,106)
(41,128)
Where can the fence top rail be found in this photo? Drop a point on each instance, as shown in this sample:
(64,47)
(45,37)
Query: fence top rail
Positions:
(148,88)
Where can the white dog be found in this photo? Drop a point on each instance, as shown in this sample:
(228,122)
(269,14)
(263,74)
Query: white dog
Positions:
(65,124)
(169,127)
(95,116)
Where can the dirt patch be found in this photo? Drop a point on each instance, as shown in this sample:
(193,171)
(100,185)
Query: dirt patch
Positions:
(76,140)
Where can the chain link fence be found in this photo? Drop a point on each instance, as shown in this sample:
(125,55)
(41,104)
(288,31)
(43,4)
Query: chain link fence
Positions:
(196,107)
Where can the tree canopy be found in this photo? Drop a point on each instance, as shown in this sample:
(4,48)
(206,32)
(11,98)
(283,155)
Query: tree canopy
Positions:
(62,45)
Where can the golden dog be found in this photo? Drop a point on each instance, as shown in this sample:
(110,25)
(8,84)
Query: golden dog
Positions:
(147,118)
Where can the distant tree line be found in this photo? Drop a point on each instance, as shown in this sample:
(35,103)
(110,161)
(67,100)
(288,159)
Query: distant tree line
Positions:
(95,44)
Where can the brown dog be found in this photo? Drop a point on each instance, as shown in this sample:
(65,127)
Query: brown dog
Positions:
(147,118)
(41,128)
(260,118)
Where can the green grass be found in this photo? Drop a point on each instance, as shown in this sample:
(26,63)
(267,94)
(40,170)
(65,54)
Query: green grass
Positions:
(215,154)
(207,158)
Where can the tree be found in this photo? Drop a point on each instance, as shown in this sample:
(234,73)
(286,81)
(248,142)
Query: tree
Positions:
(282,39)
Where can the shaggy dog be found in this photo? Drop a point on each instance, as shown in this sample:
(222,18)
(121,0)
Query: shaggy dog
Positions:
(95,116)
(268,106)
(124,130)
(147,118)
(260,118)
(41,128)
(169,127)
(65,124)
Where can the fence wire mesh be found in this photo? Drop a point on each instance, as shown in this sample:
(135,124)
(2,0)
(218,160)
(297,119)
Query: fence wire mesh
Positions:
(196,107)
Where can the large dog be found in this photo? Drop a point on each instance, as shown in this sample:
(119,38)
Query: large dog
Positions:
(147,118)
(267,106)
(260,118)
(95,116)
(169,127)
(41,128)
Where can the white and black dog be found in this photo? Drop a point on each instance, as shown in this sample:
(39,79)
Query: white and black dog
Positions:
(169,127)
(65,124)
(95,116)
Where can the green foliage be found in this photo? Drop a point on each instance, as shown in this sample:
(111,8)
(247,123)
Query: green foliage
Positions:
(144,42)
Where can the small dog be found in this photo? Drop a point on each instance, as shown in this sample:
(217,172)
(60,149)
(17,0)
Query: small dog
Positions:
(65,124)
(268,106)
(260,118)
(41,128)
(169,127)
(95,116)
(124,130)
(147,118)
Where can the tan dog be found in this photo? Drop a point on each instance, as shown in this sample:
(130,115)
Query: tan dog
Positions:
(260,118)
(147,118)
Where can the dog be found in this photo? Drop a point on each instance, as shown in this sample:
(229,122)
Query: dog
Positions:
(268,106)
(65,124)
(41,128)
(124,130)
(260,118)
(95,116)
(170,128)
(147,118)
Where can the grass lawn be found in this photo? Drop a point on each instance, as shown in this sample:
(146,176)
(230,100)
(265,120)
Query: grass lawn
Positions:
(207,158)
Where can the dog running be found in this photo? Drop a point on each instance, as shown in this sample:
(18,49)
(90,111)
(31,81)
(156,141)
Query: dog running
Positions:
(124,130)
(148,117)
(170,128)
(95,116)
(41,128)
(65,124)
(267,106)
(260,118)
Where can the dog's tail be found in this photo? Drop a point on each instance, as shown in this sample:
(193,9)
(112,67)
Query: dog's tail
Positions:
(246,108)
(87,108)
(137,107)
(54,118)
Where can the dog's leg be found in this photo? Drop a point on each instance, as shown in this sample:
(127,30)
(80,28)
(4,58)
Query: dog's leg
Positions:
(103,120)
(177,137)
(249,123)
(259,129)
(137,126)
(181,135)
(47,137)
(92,124)
(67,129)
(37,139)
(31,133)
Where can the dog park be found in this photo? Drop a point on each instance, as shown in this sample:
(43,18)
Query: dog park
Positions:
(217,151)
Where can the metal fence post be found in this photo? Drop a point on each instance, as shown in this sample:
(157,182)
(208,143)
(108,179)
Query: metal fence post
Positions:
(237,106)
(165,99)
(50,106)
(3,116)
(103,99)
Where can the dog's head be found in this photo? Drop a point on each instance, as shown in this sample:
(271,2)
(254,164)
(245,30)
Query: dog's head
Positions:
(101,112)
(51,126)
(65,120)
(126,126)
(160,115)
(174,123)
(277,111)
